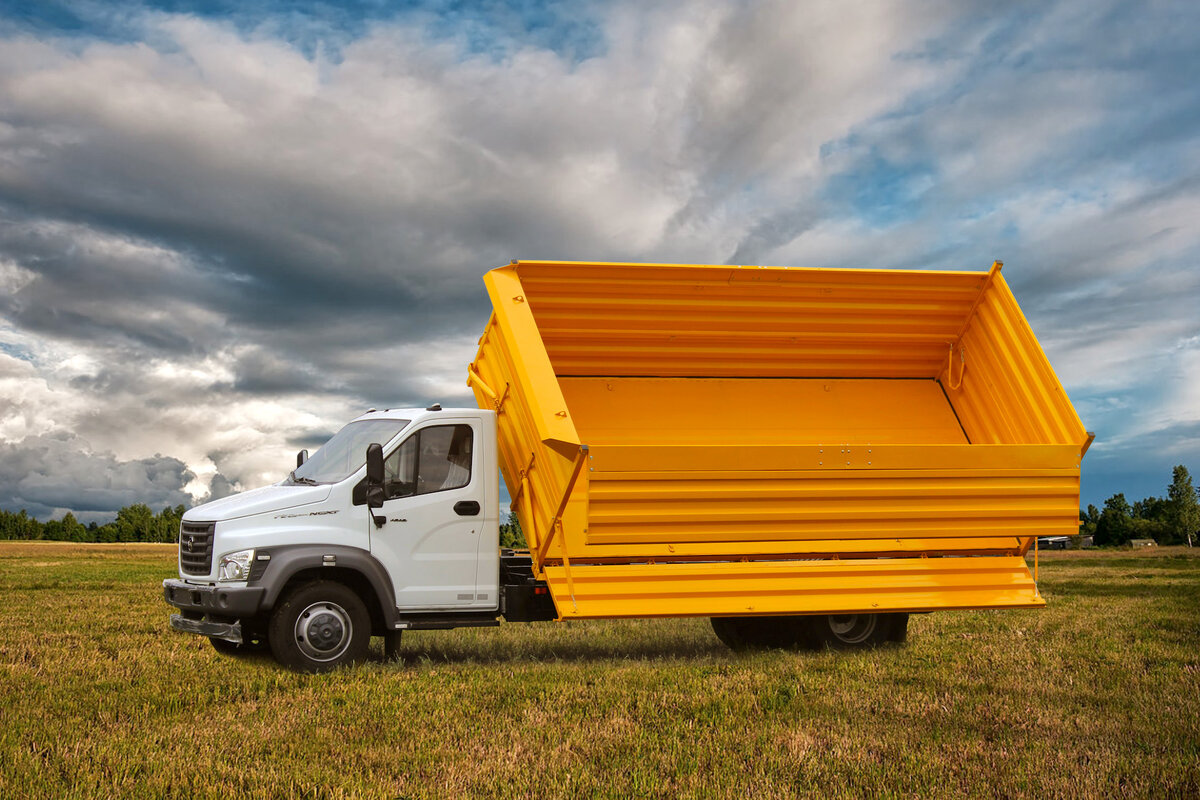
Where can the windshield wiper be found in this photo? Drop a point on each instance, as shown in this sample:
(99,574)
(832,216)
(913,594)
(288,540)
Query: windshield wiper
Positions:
(305,481)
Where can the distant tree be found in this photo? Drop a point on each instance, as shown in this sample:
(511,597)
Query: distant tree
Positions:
(1115,526)
(511,534)
(166,524)
(67,529)
(72,529)
(19,526)
(1183,506)
(1088,520)
(53,531)
(135,523)
(1151,508)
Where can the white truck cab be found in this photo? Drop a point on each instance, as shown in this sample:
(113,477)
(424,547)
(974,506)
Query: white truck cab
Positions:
(315,564)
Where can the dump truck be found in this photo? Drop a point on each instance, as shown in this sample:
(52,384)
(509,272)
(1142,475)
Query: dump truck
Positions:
(804,456)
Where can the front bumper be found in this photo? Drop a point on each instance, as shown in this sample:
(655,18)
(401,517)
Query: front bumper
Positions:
(229,631)
(217,601)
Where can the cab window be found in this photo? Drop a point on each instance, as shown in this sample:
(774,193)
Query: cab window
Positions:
(433,459)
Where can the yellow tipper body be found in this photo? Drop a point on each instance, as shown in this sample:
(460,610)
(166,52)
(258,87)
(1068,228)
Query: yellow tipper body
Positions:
(717,440)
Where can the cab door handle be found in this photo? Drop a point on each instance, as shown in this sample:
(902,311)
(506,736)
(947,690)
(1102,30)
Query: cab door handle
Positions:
(466,508)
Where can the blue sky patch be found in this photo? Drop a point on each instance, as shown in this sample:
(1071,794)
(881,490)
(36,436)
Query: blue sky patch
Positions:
(495,29)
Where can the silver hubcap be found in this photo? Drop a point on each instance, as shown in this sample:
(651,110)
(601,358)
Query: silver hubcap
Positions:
(323,631)
(853,628)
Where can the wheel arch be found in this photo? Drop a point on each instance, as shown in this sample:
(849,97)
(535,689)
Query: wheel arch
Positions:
(358,570)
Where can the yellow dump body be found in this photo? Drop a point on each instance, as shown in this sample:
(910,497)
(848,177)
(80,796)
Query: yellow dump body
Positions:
(717,440)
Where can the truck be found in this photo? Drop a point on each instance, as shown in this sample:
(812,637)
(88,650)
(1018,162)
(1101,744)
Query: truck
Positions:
(804,456)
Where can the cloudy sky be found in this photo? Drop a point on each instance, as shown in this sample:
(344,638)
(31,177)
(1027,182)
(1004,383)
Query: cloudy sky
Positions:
(228,227)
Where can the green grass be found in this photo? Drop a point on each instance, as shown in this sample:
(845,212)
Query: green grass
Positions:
(1098,695)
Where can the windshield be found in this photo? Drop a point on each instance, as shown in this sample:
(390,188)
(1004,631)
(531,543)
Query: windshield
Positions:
(346,451)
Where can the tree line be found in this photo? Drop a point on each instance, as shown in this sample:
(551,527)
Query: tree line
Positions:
(135,523)
(1174,519)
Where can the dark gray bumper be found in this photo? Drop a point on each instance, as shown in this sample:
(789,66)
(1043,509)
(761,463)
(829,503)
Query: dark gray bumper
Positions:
(221,601)
(229,631)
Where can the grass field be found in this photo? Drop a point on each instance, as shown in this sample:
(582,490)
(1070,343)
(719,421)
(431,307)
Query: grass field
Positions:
(1096,696)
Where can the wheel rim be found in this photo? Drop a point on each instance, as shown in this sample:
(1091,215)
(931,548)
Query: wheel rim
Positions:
(853,628)
(323,631)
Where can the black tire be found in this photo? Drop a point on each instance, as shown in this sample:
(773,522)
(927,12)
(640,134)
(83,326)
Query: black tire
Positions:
(858,631)
(318,627)
(247,647)
(762,633)
(899,628)
(730,630)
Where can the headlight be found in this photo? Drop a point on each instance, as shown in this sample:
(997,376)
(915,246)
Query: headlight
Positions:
(235,566)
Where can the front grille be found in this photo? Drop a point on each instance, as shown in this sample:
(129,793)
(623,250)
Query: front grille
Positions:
(196,547)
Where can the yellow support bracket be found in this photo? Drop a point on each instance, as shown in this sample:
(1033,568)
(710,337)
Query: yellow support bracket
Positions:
(556,525)
(476,380)
(556,520)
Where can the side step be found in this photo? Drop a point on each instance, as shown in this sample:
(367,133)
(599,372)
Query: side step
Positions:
(446,621)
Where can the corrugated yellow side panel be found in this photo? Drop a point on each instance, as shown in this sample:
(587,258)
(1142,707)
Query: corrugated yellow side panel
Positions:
(793,587)
(723,321)
(1000,382)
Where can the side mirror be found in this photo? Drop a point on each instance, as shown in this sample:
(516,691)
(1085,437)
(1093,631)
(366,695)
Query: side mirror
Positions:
(301,457)
(375,495)
(374,464)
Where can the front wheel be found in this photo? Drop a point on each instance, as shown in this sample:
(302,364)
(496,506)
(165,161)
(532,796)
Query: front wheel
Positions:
(247,647)
(320,626)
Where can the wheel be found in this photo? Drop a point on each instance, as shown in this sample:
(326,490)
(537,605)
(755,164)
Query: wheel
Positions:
(254,640)
(731,632)
(233,649)
(761,633)
(318,627)
(858,631)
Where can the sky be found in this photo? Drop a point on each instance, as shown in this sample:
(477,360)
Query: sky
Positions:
(226,228)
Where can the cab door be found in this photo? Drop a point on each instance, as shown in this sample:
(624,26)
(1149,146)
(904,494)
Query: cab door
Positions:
(433,485)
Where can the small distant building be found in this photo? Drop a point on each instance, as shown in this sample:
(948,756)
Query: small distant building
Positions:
(1054,542)
(1136,543)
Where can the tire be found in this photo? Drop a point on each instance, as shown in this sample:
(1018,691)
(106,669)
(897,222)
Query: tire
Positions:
(858,631)
(247,647)
(730,630)
(318,627)
(762,633)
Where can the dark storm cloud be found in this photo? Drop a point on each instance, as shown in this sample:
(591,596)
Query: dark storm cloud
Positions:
(219,487)
(42,473)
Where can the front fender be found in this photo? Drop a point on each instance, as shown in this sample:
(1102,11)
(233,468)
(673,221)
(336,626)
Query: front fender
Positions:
(289,560)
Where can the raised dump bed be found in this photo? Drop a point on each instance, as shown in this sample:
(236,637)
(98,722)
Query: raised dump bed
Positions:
(717,440)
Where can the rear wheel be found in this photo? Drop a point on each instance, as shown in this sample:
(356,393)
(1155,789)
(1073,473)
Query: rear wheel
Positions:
(762,633)
(320,626)
(858,631)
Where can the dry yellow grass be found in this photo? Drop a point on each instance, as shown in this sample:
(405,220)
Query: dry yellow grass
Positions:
(1096,696)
